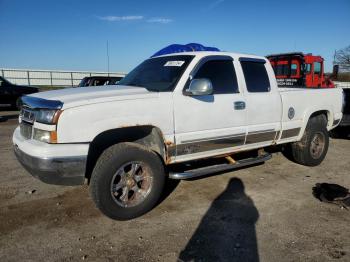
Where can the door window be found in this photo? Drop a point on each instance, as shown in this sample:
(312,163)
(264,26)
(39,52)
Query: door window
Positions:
(308,68)
(222,75)
(256,77)
(293,69)
(317,68)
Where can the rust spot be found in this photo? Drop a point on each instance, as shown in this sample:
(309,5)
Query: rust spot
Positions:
(170,147)
(169,143)
(167,160)
(222,155)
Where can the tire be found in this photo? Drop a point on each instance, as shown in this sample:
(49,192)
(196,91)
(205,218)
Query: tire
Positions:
(116,186)
(313,146)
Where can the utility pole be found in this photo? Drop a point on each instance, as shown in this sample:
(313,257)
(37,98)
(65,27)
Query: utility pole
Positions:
(107,58)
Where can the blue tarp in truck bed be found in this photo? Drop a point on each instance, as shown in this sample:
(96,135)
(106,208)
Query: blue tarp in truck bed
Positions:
(176,48)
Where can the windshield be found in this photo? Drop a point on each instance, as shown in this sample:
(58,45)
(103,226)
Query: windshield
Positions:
(159,74)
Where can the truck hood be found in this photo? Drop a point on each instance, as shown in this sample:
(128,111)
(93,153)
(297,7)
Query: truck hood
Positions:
(73,97)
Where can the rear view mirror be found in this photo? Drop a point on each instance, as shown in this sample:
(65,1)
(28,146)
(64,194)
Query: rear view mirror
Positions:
(200,87)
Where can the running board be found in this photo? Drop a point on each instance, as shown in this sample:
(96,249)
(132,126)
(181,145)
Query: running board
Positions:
(219,168)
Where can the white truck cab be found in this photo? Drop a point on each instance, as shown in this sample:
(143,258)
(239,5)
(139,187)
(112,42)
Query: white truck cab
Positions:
(180,107)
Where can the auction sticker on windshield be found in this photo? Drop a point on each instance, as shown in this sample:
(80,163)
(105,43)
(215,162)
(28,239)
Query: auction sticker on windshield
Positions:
(174,63)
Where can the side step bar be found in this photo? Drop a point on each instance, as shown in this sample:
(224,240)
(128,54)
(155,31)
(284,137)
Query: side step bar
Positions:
(219,168)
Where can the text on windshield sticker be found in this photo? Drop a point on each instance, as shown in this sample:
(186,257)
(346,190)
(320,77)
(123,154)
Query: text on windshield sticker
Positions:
(174,63)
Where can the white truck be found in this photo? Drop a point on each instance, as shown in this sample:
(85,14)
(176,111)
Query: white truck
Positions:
(124,140)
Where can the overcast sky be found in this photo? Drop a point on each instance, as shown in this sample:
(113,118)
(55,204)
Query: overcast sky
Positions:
(72,35)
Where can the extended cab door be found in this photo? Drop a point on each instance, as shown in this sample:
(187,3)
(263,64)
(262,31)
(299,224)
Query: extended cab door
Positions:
(264,106)
(210,124)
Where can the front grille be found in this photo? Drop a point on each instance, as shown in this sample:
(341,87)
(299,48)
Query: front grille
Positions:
(26,130)
(27,116)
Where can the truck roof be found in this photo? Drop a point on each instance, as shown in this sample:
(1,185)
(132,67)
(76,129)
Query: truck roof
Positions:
(213,53)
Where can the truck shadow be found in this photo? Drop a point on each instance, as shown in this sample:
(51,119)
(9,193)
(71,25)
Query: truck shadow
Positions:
(227,230)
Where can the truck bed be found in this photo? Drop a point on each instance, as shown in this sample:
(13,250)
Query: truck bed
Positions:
(293,99)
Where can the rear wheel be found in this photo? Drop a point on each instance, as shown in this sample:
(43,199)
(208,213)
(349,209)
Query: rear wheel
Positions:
(313,146)
(127,181)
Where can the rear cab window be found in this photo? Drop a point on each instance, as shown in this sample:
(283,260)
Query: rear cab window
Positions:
(286,69)
(255,74)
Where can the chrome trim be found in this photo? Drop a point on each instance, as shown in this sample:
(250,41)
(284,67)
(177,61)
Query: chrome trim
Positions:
(220,142)
(206,145)
(38,103)
(27,114)
(211,138)
(26,130)
(58,171)
(290,133)
(261,131)
(261,136)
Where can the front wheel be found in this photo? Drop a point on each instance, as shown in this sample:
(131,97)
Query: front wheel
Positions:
(127,181)
(313,146)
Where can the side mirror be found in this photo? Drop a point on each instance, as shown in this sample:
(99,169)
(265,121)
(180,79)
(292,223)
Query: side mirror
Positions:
(200,87)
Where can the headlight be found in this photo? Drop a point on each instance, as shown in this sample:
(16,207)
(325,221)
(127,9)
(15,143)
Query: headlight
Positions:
(47,116)
(45,136)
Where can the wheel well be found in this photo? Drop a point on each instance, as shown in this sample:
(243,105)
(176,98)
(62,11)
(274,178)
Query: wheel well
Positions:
(148,136)
(320,113)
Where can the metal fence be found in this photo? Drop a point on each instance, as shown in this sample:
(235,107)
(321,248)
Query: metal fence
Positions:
(342,84)
(49,77)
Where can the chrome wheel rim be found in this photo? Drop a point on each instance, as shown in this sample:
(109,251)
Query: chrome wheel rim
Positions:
(131,184)
(317,145)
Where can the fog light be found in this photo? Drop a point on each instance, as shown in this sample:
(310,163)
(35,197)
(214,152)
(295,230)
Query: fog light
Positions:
(45,136)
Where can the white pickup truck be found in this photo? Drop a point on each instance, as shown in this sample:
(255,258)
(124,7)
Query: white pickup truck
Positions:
(124,140)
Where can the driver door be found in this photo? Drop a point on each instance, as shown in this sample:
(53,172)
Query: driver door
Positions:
(207,125)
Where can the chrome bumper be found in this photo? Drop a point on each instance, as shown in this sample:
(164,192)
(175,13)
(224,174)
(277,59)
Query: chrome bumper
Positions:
(67,171)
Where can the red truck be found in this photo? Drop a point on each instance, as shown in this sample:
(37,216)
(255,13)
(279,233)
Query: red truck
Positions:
(299,69)
(306,70)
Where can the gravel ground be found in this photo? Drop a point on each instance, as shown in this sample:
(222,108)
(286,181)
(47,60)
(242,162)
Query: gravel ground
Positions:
(261,213)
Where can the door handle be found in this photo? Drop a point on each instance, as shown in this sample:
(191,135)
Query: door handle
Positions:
(239,105)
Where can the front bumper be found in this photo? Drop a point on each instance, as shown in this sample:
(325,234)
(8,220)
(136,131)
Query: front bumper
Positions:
(51,165)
